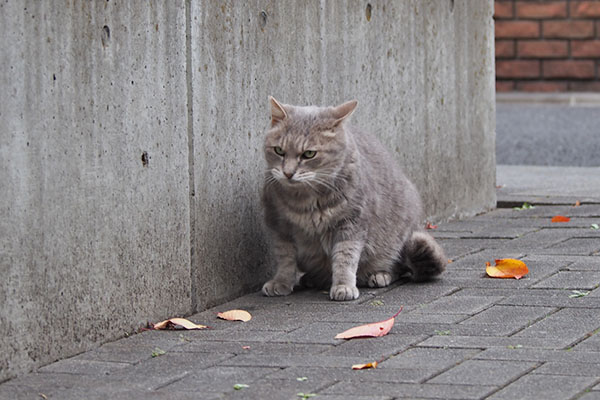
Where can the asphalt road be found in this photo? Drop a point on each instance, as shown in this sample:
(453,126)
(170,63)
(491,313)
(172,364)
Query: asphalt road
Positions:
(529,133)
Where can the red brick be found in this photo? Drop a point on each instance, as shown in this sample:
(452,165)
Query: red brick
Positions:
(517,29)
(585,48)
(505,49)
(581,69)
(553,9)
(585,9)
(542,48)
(542,86)
(585,86)
(503,9)
(568,29)
(517,69)
(505,86)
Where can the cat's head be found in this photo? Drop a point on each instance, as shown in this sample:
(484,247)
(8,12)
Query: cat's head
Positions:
(306,146)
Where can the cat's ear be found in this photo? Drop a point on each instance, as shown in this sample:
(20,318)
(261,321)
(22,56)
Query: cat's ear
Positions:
(278,113)
(343,111)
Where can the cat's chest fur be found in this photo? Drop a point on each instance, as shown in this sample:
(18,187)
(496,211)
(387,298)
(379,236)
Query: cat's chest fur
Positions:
(314,216)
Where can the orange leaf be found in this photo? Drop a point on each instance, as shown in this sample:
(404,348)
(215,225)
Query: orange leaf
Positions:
(235,315)
(577,203)
(365,366)
(507,268)
(375,329)
(560,218)
(429,225)
(176,323)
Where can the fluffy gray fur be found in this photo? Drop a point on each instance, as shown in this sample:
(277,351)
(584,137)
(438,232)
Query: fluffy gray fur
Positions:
(340,210)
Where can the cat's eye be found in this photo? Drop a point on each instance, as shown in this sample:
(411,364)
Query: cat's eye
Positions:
(279,151)
(308,154)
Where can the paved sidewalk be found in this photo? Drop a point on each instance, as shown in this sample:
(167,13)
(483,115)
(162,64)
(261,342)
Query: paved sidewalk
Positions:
(465,336)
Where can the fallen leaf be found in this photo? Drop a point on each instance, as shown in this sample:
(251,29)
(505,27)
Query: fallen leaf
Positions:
(246,347)
(429,225)
(507,268)
(235,315)
(365,366)
(516,346)
(595,226)
(560,218)
(577,203)
(375,329)
(377,303)
(578,293)
(240,386)
(305,395)
(441,333)
(525,206)
(43,396)
(302,379)
(449,260)
(158,352)
(177,323)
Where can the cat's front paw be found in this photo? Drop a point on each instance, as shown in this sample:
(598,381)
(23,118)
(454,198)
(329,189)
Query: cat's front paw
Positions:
(274,288)
(380,279)
(343,293)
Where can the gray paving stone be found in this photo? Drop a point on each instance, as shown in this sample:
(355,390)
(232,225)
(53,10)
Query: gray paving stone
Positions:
(85,367)
(430,358)
(552,298)
(568,323)
(484,372)
(541,241)
(548,387)
(395,375)
(246,347)
(418,293)
(219,379)
(485,342)
(297,360)
(569,369)
(168,368)
(513,315)
(476,228)
(429,318)
(585,264)
(460,247)
(454,329)
(276,389)
(579,246)
(458,305)
(571,280)
(590,396)
(591,343)
(544,355)
(412,391)
(318,333)
(51,385)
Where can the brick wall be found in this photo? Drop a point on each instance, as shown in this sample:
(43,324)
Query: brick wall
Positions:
(547,45)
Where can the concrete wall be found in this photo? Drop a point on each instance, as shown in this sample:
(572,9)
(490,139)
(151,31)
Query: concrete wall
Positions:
(131,136)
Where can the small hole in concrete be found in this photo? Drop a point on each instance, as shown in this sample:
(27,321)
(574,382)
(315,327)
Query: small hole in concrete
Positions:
(145,159)
(263,19)
(105,35)
(368,11)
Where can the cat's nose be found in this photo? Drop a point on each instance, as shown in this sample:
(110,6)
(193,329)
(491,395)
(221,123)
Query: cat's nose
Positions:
(288,174)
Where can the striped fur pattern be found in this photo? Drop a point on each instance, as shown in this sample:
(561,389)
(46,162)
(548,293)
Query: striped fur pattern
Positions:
(341,212)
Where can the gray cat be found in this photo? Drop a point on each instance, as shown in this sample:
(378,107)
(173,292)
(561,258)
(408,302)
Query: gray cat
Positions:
(340,210)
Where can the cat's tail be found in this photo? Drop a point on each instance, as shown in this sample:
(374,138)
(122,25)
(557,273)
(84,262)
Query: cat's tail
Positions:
(424,257)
